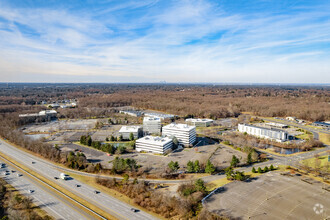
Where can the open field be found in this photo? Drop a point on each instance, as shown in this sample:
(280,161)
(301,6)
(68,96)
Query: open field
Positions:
(321,162)
(325,138)
(272,196)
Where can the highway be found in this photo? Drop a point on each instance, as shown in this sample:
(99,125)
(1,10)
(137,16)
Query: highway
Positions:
(42,196)
(102,200)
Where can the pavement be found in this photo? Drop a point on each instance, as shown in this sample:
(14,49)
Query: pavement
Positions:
(48,170)
(46,199)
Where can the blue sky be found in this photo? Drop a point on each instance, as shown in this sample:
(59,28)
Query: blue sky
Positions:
(223,41)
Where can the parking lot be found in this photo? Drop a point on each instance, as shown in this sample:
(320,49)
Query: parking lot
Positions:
(272,196)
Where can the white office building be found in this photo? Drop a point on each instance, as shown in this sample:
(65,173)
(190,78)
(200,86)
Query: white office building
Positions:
(185,134)
(151,125)
(263,132)
(126,131)
(151,144)
(199,122)
(158,115)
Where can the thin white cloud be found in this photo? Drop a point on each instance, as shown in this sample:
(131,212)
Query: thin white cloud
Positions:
(184,41)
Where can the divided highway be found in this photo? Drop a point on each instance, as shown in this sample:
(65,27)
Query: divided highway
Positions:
(102,200)
(46,199)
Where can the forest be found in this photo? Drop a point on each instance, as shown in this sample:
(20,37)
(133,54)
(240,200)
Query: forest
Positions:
(212,101)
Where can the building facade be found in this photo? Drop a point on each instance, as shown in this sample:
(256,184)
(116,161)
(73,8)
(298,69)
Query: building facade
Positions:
(151,125)
(262,132)
(126,131)
(185,134)
(199,122)
(151,144)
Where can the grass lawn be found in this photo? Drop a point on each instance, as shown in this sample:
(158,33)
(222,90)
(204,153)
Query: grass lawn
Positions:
(325,138)
(305,136)
(217,183)
(311,162)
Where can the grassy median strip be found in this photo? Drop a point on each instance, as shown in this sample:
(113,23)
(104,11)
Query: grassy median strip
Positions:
(63,190)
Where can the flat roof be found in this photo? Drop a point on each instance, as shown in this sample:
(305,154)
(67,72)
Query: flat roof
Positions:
(157,140)
(183,127)
(129,128)
(159,115)
(151,119)
(322,123)
(273,129)
(199,120)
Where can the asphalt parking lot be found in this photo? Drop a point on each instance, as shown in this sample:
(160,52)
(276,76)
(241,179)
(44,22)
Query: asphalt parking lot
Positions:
(272,196)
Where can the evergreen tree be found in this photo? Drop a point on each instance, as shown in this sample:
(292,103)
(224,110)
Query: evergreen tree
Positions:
(89,141)
(131,136)
(234,161)
(209,168)
(197,167)
(259,170)
(272,167)
(249,158)
(200,185)
(254,170)
(190,167)
(112,138)
(174,166)
(266,169)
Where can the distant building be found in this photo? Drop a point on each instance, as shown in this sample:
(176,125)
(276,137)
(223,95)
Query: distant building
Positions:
(160,145)
(158,115)
(46,115)
(263,132)
(291,118)
(276,125)
(198,122)
(126,131)
(151,125)
(185,134)
(131,113)
(321,124)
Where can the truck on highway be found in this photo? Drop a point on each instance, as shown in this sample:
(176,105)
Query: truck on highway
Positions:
(64,176)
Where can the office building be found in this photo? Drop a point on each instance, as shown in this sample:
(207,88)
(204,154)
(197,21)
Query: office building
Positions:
(126,131)
(199,122)
(263,132)
(151,144)
(185,134)
(151,125)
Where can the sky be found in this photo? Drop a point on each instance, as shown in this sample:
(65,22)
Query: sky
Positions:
(193,41)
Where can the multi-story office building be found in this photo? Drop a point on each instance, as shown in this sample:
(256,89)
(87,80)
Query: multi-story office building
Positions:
(185,134)
(160,145)
(199,122)
(126,131)
(151,125)
(263,132)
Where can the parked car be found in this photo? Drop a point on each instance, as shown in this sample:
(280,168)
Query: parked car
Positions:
(31,191)
(96,192)
(19,174)
(134,210)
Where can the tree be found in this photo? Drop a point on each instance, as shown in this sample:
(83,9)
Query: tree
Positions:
(190,167)
(106,139)
(239,176)
(89,141)
(266,169)
(112,138)
(229,172)
(131,136)
(197,167)
(174,166)
(200,185)
(209,168)
(253,170)
(249,158)
(120,138)
(271,167)
(259,170)
(125,178)
(234,161)
(83,139)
